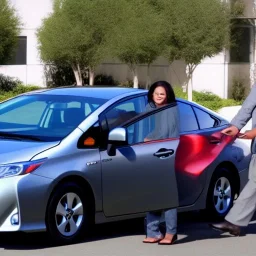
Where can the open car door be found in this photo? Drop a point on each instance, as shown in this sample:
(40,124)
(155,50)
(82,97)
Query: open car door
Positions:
(139,175)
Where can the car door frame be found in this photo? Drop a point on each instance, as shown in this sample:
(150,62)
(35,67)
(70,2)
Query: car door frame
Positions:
(103,119)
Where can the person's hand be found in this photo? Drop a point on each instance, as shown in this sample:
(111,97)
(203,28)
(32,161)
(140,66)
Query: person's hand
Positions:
(249,135)
(146,139)
(231,131)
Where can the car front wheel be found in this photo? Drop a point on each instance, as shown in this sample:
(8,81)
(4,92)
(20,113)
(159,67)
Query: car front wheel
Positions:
(67,217)
(221,193)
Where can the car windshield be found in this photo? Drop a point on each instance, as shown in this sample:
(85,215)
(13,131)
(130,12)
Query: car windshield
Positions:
(42,117)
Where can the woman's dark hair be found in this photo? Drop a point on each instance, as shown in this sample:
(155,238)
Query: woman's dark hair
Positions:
(168,89)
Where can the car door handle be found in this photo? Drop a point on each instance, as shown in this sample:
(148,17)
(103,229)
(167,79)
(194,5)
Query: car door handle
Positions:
(215,141)
(216,138)
(163,152)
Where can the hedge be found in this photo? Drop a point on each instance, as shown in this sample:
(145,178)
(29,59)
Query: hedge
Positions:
(207,99)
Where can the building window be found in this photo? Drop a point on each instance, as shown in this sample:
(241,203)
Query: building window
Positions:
(20,55)
(241,44)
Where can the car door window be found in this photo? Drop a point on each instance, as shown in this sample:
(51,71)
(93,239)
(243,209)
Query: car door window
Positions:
(124,111)
(188,120)
(205,120)
(159,125)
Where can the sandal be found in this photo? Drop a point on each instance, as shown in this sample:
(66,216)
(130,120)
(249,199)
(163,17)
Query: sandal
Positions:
(174,239)
(152,241)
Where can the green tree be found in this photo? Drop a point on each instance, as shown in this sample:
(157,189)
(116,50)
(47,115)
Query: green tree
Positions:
(195,29)
(76,34)
(138,36)
(9,31)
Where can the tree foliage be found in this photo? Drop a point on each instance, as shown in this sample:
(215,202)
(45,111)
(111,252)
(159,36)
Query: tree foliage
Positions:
(138,37)
(82,33)
(195,29)
(9,31)
(76,32)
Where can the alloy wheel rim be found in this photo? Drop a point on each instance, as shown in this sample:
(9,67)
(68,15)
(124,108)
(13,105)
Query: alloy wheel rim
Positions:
(222,195)
(69,214)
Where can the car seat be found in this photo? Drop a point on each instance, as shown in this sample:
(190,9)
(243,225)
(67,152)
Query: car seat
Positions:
(73,117)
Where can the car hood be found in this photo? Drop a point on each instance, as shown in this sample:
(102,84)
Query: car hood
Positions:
(12,151)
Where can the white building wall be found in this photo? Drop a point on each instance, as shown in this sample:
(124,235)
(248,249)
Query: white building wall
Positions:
(210,75)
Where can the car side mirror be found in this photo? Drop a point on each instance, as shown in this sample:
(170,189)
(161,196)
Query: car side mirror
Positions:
(116,137)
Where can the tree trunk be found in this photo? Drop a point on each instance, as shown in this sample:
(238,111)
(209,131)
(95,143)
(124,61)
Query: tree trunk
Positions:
(135,77)
(252,73)
(253,64)
(190,89)
(78,75)
(148,77)
(91,76)
(189,71)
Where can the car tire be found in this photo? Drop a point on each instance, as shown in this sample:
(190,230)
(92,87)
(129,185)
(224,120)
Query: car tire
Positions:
(221,193)
(68,216)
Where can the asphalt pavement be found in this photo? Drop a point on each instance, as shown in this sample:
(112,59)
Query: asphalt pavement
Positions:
(125,239)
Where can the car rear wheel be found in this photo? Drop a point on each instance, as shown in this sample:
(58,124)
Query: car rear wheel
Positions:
(221,193)
(68,217)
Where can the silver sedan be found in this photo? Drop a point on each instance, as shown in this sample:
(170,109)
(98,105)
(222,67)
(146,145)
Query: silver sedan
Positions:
(72,157)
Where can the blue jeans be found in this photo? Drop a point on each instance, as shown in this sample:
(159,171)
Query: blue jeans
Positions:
(153,221)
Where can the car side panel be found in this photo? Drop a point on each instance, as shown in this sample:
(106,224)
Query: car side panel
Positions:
(33,195)
(195,153)
(235,154)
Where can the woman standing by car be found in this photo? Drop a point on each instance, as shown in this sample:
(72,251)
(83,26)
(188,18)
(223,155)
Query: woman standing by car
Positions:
(166,126)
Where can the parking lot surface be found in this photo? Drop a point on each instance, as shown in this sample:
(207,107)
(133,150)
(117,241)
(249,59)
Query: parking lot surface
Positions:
(125,238)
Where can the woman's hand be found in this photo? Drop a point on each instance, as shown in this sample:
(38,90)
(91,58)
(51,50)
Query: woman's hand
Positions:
(251,134)
(231,131)
(146,140)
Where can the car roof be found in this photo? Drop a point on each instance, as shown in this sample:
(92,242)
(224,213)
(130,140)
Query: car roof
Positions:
(94,92)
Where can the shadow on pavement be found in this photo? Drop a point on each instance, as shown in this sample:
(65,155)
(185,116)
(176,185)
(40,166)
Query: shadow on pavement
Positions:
(193,225)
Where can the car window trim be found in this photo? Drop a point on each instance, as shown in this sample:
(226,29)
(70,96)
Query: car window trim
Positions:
(103,114)
(102,117)
(198,127)
(146,114)
(213,117)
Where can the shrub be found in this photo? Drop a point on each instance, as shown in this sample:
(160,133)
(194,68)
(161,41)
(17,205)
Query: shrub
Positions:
(216,105)
(25,88)
(59,75)
(18,90)
(8,83)
(205,96)
(207,99)
(128,83)
(238,90)
(102,79)
(179,92)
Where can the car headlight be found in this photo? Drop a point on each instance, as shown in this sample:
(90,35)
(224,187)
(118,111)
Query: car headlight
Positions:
(8,170)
